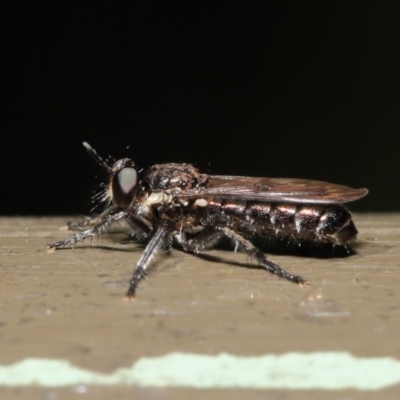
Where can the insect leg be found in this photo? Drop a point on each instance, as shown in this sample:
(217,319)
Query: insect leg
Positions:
(91,222)
(210,235)
(259,256)
(97,230)
(203,240)
(159,239)
(141,228)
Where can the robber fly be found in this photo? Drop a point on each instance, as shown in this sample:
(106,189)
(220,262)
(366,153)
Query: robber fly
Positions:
(176,203)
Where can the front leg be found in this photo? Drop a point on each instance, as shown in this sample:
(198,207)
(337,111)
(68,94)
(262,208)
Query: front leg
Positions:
(91,222)
(90,233)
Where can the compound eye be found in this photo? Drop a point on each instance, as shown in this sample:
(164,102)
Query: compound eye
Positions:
(124,186)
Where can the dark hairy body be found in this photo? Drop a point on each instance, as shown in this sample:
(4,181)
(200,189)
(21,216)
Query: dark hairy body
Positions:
(176,203)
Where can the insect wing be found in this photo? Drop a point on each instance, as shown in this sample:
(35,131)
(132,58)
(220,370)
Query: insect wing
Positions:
(276,190)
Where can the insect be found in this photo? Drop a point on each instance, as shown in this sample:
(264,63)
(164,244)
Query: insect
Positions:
(175,203)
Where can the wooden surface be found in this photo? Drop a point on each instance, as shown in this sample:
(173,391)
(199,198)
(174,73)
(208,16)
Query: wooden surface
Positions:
(67,305)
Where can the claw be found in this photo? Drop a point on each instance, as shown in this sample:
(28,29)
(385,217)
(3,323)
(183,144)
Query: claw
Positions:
(51,248)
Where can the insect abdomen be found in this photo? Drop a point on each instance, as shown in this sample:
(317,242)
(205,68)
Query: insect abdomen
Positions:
(323,223)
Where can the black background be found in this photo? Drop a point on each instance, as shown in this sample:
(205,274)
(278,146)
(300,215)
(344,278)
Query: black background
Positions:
(287,89)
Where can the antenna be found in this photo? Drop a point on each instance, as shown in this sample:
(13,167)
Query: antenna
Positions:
(92,152)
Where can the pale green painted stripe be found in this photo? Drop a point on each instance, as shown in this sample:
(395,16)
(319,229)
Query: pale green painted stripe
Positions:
(326,371)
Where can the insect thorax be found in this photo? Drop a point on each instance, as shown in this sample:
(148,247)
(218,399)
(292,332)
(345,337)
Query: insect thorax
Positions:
(173,176)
